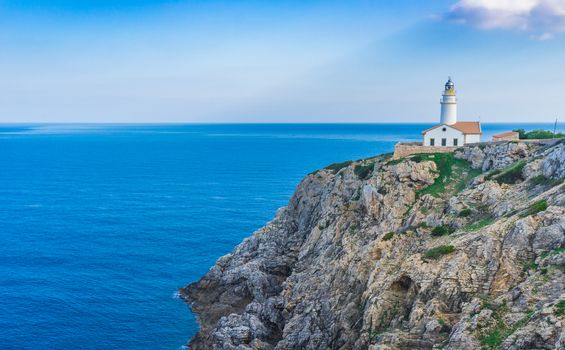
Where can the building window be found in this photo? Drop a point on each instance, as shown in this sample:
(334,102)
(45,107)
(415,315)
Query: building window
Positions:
(444,142)
(444,129)
(455,142)
(432,142)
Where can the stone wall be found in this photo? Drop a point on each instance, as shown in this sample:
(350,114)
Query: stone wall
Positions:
(404,149)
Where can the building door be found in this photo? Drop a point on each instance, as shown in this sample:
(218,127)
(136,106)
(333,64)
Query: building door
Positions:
(444,142)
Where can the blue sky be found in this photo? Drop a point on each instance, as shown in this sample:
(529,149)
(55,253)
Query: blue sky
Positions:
(280,61)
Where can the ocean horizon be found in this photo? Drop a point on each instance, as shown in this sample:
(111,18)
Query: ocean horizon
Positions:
(100,224)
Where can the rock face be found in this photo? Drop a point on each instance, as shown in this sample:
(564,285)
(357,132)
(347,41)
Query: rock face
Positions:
(418,253)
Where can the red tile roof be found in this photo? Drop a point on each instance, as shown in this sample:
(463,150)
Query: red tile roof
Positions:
(506,134)
(464,127)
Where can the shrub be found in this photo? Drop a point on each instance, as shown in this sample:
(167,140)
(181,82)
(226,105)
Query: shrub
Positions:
(521,133)
(537,134)
(540,206)
(441,231)
(493,173)
(437,252)
(497,334)
(388,236)
(559,309)
(418,158)
(464,213)
(477,225)
(335,167)
(363,172)
(493,339)
(536,208)
(531,265)
(539,180)
(545,181)
(395,161)
(512,174)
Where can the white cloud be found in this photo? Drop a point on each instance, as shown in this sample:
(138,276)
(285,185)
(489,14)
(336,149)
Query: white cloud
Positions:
(543,17)
(543,37)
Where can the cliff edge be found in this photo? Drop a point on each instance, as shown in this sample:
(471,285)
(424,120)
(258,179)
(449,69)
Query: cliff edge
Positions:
(443,251)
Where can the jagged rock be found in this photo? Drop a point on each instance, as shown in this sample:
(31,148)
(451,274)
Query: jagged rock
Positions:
(347,264)
(554,163)
(497,155)
(549,237)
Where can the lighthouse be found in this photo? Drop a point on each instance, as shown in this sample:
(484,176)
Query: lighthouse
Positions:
(449,132)
(449,104)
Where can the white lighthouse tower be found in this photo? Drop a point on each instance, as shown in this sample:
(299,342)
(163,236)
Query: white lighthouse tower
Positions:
(449,132)
(449,104)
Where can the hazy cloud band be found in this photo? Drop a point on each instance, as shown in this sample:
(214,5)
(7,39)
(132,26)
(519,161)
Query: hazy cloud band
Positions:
(540,17)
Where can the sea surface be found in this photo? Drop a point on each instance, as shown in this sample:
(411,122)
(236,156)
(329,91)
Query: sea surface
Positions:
(101,224)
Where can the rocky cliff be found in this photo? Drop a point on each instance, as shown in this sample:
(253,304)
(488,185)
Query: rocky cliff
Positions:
(446,251)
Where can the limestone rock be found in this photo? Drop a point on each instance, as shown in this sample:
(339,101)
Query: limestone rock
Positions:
(554,163)
(352,263)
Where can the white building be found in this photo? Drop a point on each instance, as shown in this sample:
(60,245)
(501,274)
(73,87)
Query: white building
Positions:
(449,132)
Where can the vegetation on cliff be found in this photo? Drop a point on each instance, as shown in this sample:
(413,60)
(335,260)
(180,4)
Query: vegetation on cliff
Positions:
(452,251)
(537,134)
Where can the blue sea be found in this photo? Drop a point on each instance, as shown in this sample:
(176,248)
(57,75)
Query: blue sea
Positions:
(101,224)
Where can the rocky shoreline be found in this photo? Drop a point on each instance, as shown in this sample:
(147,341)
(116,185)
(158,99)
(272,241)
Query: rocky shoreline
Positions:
(446,251)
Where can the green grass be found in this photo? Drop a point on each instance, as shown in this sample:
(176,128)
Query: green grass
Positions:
(439,251)
(441,231)
(363,172)
(462,181)
(559,309)
(450,171)
(395,161)
(444,163)
(497,334)
(530,266)
(539,180)
(535,208)
(486,302)
(509,175)
(477,225)
(552,252)
(464,213)
(492,339)
(545,181)
(418,158)
(335,167)
(388,236)
(493,173)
